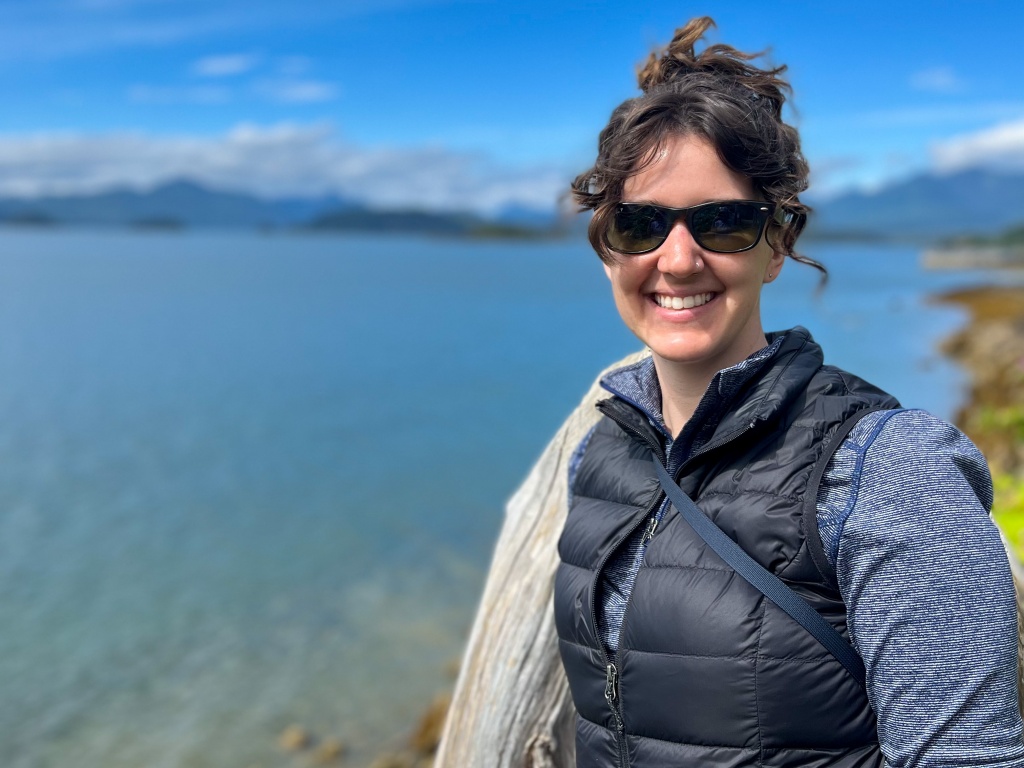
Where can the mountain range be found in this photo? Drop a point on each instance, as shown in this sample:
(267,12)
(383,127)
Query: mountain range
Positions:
(926,208)
(183,204)
(178,203)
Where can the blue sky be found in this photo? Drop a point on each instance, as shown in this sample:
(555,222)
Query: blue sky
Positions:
(469,104)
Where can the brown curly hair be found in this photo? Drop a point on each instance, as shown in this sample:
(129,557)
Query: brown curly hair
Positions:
(719,96)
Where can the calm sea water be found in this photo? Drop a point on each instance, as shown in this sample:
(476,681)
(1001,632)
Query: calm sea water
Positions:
(247,480)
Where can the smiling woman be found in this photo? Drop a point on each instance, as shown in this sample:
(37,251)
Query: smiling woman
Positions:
(765,560)
(691,304)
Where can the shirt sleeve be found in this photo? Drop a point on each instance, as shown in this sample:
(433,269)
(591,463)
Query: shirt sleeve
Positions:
(576,459)
(903,515)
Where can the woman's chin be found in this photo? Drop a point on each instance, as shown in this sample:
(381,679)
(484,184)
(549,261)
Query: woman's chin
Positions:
(699,353)
(681,354)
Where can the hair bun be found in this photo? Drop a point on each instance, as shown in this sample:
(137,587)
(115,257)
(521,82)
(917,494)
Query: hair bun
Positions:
(723,63)
(678,57)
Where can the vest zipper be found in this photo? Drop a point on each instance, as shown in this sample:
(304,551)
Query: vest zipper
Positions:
(611,694)
(611,689)
(715,445)
(651,528)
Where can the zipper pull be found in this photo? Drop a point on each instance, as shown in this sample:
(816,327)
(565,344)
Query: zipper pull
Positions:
(652,526)
(611,684)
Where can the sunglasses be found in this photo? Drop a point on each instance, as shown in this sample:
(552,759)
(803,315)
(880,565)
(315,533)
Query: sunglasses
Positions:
(729,226)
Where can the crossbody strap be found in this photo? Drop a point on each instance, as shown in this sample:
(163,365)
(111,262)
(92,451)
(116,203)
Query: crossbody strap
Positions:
(770,585)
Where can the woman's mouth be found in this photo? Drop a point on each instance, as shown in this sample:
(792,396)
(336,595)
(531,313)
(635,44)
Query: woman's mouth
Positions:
(683,302)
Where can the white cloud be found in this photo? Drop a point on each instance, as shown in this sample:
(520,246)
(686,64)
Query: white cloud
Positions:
(151,94)
(282,160)
(943,114)
(103,6)
(49,29)
(937,80)
(298,91)
(1000,147)
(946,115)
(225,65)
(293,65)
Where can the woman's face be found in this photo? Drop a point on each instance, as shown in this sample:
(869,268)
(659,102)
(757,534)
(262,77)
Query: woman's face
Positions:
(726,328)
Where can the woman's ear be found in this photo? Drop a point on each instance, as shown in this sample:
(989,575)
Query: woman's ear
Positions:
(774,266)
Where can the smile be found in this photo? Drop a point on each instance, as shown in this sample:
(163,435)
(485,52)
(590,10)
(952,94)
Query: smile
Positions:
(682,302)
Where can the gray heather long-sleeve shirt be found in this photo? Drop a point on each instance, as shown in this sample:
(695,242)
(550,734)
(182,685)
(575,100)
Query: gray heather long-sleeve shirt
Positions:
(903,517)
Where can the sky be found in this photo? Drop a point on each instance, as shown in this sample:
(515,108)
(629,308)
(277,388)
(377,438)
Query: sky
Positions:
(466,104)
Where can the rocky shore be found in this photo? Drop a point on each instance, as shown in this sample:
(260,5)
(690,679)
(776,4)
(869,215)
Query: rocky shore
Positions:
(974,257)
(990,348)
(308,748)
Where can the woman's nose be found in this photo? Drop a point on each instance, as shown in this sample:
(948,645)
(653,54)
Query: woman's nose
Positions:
(680,254)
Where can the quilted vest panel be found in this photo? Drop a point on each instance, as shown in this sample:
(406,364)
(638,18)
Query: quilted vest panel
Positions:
(709,672)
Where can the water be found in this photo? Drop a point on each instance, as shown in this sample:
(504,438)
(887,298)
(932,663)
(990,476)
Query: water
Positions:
(247,481)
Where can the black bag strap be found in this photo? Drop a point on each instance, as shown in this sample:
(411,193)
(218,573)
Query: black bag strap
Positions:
(770,585)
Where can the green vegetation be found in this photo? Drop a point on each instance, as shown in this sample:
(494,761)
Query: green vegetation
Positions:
(1005,424)
(160,223)
(1008,509)
(29,219)
(410,221)
(1007,421)
(991,349)
(1011,238)
(498,231)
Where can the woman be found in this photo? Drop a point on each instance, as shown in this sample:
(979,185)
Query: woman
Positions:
(874,516)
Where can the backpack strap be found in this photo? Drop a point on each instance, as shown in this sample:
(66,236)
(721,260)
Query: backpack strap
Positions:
(770,585)
(810,510)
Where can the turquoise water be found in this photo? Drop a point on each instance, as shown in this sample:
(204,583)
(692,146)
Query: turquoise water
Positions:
(249,480)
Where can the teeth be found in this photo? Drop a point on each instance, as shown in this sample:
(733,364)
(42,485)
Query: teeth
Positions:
(683,302)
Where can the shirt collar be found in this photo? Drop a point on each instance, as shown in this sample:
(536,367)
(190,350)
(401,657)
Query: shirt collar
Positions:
(637,384)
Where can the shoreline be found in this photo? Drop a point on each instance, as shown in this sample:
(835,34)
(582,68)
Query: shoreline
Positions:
(974,257)
(990,349)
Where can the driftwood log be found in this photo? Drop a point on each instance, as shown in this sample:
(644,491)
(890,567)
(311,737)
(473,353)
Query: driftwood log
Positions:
(511,705)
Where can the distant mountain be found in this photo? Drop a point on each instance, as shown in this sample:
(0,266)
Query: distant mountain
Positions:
(399,220)
(181,204)
(927,207)
(175,204)
(527,217)
(409,221)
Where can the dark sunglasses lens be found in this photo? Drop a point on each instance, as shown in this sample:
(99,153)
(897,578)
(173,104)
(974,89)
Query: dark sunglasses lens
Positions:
(636,229)
(727,227)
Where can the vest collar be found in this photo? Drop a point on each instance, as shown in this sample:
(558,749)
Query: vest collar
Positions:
(780,374)
(783,380)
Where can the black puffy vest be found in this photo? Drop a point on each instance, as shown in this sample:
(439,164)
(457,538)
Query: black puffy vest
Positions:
(708,671)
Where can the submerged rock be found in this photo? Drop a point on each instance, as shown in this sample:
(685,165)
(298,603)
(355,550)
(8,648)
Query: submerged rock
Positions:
(328,751)
(294,738)
(396,760)
(427,736)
